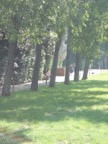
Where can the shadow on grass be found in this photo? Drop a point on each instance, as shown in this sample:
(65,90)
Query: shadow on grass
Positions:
(14,137)
(75,101)
(85,84)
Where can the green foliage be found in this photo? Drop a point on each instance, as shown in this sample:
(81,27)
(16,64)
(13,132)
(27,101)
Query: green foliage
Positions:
(88,31)
(35,20)
(24,57)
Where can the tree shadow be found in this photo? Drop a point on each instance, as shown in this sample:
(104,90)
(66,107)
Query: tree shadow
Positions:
(89,84)
(14,137)
(58,104)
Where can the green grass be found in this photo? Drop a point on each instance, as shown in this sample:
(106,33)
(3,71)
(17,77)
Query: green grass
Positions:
(74,114)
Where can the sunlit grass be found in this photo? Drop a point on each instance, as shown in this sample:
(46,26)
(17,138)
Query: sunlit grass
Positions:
(74,114)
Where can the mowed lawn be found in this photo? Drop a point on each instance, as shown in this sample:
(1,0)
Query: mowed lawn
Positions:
(74,114)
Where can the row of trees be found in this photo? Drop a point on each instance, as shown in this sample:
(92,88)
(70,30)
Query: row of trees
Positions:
(29,24)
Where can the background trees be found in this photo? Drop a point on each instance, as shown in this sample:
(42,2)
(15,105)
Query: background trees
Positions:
(13,16)
(26,24)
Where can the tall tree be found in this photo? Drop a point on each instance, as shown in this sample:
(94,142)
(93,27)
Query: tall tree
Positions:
(59,29)
(12,15)
(18,18)
(9,69)
(11,52)
(77,67)
(92,34)
(67,74)
(86,67)
(35,77)
(55,61)
(45,23)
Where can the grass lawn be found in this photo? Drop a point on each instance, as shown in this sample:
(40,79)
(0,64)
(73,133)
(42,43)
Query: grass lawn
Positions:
(74,114)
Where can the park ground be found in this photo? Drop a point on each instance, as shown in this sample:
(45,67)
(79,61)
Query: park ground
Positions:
(58,80)
(67,114)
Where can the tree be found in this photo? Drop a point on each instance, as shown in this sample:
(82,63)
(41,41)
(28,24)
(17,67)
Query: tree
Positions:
(59,29)
(92,34)
(67,81)
(86,67)
(78,17)
(3,55)
(77,67)
(17,18)
(10,23)
(9,69)
(35,77)
(45,23)
(11,52)
(55,61)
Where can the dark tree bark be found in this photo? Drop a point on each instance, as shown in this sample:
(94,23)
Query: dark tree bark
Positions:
(55,61)
(86,67)
(9,69)
(11,52)
(3,54)
(77,67)
(67,81)
(35,77)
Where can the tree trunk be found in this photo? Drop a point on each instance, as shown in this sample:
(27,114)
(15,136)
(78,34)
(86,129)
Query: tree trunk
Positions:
(86,67)
(9,69)
(67,74)
(77,67)
(55,61)
(41,65)
(34,84)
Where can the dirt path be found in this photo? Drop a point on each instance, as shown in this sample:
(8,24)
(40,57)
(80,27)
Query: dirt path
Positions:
(58,79)
(23,86)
